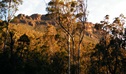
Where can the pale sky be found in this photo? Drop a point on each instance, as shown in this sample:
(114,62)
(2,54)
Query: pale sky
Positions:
(97,8)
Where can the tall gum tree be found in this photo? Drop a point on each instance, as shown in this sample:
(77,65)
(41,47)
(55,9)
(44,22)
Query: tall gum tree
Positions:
(111,48)
(70,16)
(8,9)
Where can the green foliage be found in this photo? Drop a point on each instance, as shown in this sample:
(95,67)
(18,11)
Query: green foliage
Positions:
(8,9)
(45,52)
(109,53)
(66,14)
(107,58)
(59,63)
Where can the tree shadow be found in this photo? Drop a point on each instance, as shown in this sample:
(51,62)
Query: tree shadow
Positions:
(108,57)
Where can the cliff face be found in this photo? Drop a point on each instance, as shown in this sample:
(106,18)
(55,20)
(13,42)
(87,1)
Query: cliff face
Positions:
(89,27)
(36,20)
(33,20)
(36,17)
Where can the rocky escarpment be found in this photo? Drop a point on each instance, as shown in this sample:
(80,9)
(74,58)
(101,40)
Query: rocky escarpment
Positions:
(37,20)
(33,20)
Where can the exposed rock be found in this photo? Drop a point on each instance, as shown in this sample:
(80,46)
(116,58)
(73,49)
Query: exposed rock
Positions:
(36,16)
(23,21)
(28,17)
(38,19)
(21,16)
(32,23)
(89,27)
(33,20)
(44,17)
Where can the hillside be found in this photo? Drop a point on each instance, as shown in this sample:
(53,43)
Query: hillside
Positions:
(41,33)
(34,44)
(33,20)
(38,21)
(62,40)
(47,41)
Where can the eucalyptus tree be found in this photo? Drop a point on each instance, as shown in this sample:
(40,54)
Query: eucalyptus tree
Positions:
(8,9)
(116,28)
(82,19)
(61,12)
(70,16)
(110,51)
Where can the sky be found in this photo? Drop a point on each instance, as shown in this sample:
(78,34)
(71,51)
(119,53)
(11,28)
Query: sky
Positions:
(97,8)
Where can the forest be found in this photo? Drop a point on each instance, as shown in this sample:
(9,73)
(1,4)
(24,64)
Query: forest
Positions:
(61,41)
